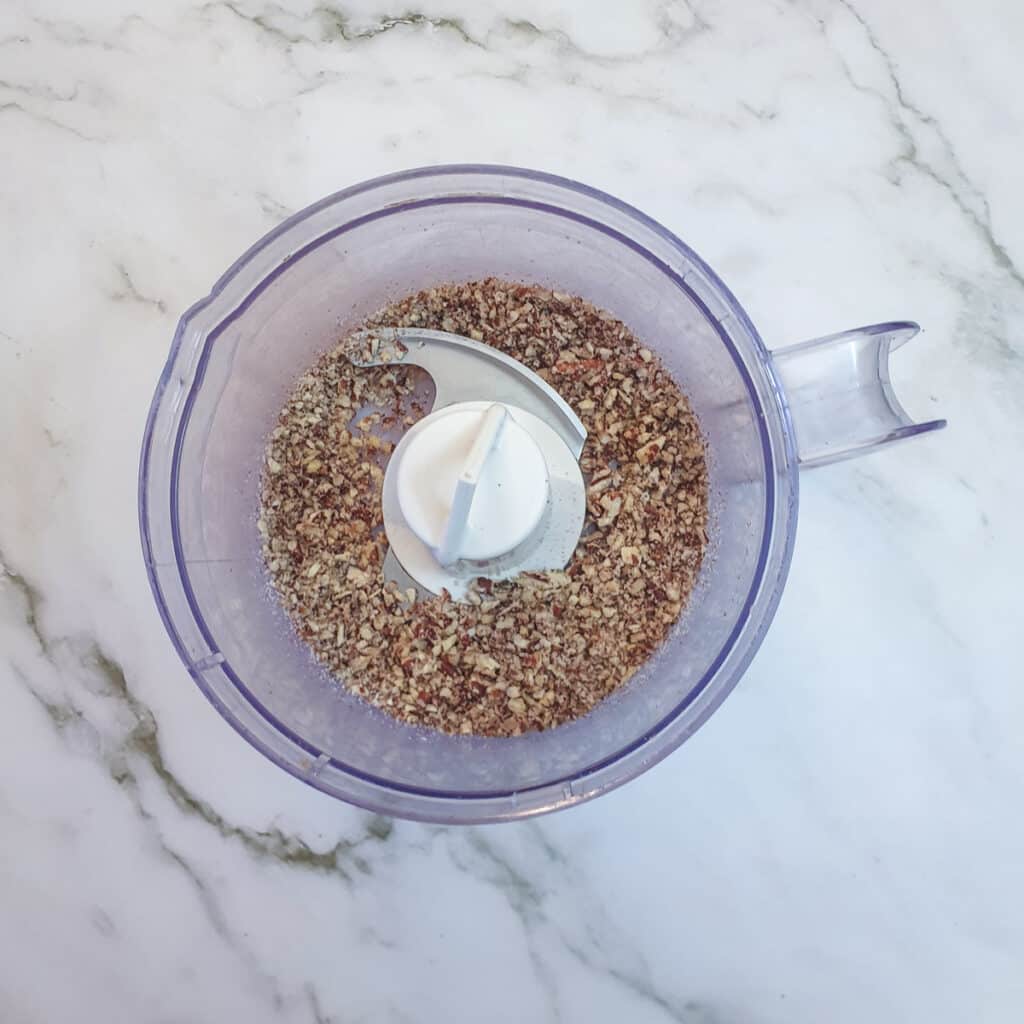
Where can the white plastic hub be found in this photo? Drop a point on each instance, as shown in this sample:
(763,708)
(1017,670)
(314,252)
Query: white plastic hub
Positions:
(489,488)
(472,484)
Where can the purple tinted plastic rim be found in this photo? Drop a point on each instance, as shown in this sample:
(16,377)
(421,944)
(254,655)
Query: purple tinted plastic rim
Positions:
(767,451)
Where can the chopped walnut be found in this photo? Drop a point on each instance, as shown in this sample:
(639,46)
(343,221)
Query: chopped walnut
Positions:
(519,655)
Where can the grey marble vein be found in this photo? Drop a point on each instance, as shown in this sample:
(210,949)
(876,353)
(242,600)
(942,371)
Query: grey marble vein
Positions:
(967,197)
(140,744)
(128,291)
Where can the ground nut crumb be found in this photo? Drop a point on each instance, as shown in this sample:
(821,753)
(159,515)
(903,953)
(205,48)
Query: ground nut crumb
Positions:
(520,655)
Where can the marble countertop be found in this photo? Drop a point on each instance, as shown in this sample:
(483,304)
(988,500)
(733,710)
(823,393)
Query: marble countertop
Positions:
(843,841)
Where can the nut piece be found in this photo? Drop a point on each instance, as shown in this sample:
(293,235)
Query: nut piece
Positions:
(650,451)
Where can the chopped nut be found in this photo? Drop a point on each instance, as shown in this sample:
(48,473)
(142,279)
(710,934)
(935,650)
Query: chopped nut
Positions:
(650,451)
(487,664)
(612,506)
(520,655)
(630,555)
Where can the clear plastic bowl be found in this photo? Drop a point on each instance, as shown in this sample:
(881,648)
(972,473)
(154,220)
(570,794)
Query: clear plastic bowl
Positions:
(236,354)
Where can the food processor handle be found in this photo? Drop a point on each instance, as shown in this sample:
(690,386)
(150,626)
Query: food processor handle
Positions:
(840,396)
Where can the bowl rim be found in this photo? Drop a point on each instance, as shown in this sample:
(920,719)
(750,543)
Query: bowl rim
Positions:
(377,793)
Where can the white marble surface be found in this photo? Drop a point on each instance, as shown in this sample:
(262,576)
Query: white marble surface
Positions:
(844,841)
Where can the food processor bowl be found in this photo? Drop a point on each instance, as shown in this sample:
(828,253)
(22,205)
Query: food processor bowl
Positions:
(237,353)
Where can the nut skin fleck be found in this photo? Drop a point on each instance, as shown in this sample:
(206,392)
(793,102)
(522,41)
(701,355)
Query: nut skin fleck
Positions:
(520,655)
